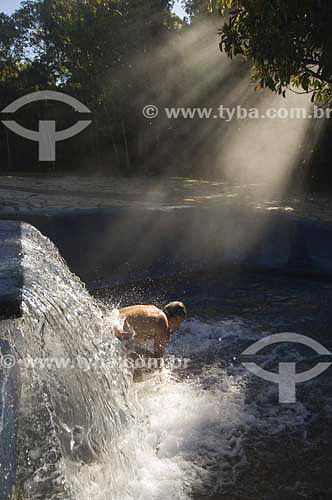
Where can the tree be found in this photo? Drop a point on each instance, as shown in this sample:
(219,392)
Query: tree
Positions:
(98,51)
(288,42)
(11,53)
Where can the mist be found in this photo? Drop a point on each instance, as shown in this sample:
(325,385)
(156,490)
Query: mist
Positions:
(252,162)
(187,70)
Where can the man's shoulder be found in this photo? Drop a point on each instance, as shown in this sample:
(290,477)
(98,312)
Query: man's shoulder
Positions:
(142,310)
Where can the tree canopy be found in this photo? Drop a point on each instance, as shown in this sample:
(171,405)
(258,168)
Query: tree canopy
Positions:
(288,42)
(94,50)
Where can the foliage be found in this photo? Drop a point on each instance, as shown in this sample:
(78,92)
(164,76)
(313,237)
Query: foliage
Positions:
(197,8)
(110,55)
(89,49)
(288,42)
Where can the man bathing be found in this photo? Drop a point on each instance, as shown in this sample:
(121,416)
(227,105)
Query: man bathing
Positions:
(144,323)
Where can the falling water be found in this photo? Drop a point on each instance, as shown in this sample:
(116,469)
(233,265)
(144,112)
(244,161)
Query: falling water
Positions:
(91,433)
(71,415)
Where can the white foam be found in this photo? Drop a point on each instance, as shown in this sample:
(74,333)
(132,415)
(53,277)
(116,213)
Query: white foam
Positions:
(187,434)
(197,336)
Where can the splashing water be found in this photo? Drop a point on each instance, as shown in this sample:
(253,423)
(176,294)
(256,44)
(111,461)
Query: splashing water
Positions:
(188,432)
(91,433)
(180,428)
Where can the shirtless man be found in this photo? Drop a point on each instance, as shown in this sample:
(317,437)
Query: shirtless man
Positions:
(144,323)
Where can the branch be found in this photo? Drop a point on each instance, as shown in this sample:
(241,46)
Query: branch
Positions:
(316,75)
(305,92)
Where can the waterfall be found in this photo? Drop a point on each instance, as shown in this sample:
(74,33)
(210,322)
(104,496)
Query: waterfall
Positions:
(71,415)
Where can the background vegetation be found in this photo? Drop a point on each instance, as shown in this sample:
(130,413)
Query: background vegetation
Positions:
(104,52)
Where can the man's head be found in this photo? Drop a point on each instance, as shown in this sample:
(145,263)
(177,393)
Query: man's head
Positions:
(176,312)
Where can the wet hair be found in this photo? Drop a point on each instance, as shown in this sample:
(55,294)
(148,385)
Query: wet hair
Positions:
(175,310)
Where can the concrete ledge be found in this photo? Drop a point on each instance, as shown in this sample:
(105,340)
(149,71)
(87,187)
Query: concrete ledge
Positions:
(10,270)
(8,415)
(11,280)
(124,244)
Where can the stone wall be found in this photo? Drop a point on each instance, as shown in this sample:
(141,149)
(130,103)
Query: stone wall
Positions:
(124,244)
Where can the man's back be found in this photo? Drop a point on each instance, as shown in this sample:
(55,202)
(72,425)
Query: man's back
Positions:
(144,322)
